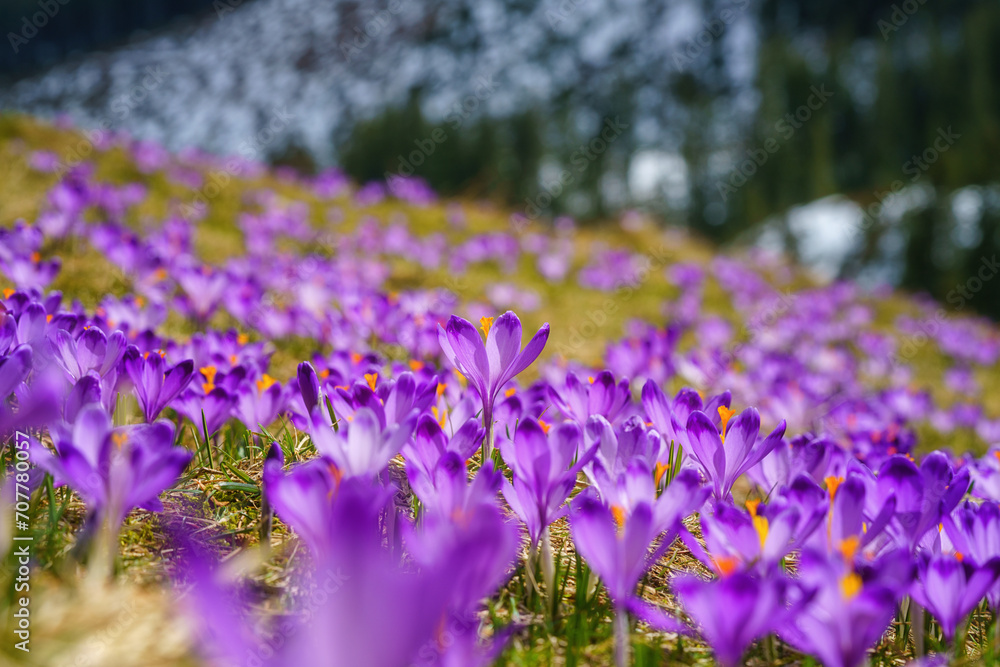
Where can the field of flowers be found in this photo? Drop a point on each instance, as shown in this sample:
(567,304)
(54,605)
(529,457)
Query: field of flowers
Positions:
(251,417)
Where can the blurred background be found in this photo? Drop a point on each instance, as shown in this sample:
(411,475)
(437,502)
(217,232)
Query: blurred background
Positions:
(860,137)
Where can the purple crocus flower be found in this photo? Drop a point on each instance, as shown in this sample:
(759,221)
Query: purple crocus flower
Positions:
(489,366)
(616,545)
(214,406)
(258,403)
(92,351)
(923,495)
(360,590)
(617,449)
(14,370)
(734,610)
(599,396)
(114,470)
(950,587)
(156,385)
(426,470)
(545,468)
(669,417)
(847,611)
(727,455)
(359,444)
(761,536)
(306,497)
(974,532)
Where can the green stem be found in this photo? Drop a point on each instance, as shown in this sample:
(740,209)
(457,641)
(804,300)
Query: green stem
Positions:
(621,638)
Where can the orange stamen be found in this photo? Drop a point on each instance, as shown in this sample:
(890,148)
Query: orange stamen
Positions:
(264,383)
(726,414)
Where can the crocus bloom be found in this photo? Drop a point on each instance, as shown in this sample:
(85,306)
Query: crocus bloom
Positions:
(361,444)
(259,402)
(670,418)
(598,396)
(616,543)
(974,532)
(14,369)
(545,469)
(425,452)
(156,385)
(847,611)
(114,470)
(306,496)
(617,448)
(92,351)
(734,610)
(763,535)
(950,588)
(923,495)
(360,591)
(489,366)
(726,456)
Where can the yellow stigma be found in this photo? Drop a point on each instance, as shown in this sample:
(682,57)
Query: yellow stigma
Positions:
(590,379)
(618,512)
(761,525)
(139,301)
(440,389)
(337,476)
(264,383)
(545,425)
(209,372)
(416,365)
(486,323)
(752,505)
(832,484)
(441,416)
(243,339)
(355,358)
(510,392)
(726,414)
(119,439)
(848,547)
(661,470)
(725,565)
(850,585)
(371,379)
(8,292)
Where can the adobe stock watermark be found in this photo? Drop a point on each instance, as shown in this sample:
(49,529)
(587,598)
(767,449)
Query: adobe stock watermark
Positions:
(785,127)
(915,167)
(562,12)
(711,30)
(23,540)
(249,149)
(625,289)
(121,107)
(372,28)
(762,321)
(989,267)
(898,17)
(224,7)
(37,21)
(580,160)
(458,113)
(317,599)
